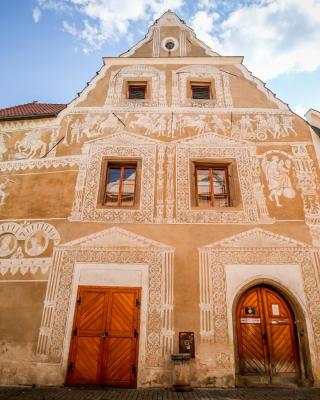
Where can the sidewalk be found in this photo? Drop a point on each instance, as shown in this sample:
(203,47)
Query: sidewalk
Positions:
(18,393)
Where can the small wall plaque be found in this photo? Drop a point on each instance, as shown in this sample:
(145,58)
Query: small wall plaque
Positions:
(249,310)
(186,343)
(275,309)
(250,320)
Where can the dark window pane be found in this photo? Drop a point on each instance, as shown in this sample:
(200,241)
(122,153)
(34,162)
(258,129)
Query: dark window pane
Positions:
(201,92)
(137,92)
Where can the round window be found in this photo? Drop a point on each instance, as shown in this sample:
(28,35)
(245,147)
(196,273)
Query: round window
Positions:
(169,44)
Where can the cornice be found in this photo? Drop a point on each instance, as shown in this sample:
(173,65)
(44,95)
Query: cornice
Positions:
(221,60)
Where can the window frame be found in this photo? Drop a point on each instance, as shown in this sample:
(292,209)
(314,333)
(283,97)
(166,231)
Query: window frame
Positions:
(225,168)
(109,163)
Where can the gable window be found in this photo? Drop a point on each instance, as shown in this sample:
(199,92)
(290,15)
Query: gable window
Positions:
(120,189)
(212,186)
(137,91)
(201,91)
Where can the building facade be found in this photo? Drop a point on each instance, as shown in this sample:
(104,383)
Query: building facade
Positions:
(174,204)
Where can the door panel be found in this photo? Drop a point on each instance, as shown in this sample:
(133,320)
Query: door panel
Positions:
(121,346)
(104,346)
(92,316)
(266,336)
(122,314)
(87,360)
(253,357)
(119,361)
(89,324)
(282,336)
(283,357)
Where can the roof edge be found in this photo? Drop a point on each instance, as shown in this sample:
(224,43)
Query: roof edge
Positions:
(34,116)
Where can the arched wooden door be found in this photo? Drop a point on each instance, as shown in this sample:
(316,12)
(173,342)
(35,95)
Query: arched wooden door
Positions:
(267,344)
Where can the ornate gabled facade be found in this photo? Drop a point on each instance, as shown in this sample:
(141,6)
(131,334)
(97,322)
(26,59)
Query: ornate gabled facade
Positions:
(175,194)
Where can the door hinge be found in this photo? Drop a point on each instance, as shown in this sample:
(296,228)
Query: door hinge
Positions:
(70,367)
(134,369)
(137,303)
(79,301)
(75,331)
(135,333)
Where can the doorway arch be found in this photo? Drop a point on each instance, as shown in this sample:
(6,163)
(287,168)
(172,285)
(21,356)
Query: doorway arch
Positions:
(275,315)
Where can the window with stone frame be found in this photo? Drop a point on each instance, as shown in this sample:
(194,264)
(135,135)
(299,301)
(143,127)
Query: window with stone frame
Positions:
(121,184)
(212,186)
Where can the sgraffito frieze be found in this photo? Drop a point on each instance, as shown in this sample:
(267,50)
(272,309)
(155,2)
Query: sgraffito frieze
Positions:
(82,127)
(55,162)
(21,243)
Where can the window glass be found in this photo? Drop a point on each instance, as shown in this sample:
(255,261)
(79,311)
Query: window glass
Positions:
(120,187)
(204,190)
(212,186)
(128,186)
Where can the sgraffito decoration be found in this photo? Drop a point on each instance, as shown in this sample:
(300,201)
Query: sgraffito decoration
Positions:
(277,173)
(86,125)
(116,94)
(23,243)
(112,246)
(216,147)
(5,183)
(119,146)
(180,79)
(256,247)
(289,174)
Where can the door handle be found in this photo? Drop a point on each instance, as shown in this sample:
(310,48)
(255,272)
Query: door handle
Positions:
(264,337)
(104,335)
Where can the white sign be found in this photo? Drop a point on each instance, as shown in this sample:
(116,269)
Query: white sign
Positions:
(275,309)
(250,320)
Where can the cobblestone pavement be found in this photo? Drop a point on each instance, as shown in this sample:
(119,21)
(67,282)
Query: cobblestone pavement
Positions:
(18,393)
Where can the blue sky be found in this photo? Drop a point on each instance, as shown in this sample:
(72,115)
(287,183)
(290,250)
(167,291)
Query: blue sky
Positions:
(49,49)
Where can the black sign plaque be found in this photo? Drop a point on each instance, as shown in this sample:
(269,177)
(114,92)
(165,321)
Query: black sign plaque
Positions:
(186,343)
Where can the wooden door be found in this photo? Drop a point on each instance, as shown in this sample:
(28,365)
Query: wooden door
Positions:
(104,345)
(121,347)
(266,337)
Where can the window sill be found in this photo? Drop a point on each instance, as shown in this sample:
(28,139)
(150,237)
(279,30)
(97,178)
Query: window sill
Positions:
(201,103)
(125,208)
(221,209)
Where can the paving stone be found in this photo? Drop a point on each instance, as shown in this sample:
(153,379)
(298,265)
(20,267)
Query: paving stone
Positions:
(26,393)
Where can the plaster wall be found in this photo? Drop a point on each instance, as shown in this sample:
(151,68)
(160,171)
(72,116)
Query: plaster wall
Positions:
(50,178)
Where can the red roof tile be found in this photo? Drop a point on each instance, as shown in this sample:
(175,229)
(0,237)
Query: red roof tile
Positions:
(31,110)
